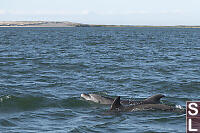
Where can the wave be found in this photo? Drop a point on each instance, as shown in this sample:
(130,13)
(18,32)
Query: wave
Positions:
(7,123)
(11,103)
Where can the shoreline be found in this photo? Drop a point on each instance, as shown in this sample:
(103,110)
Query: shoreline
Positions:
(71,24)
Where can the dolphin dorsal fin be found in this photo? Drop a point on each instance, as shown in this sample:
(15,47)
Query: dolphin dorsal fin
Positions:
(154,99)
(116,104)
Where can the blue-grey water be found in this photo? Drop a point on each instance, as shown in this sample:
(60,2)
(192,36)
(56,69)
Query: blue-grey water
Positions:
(43,71)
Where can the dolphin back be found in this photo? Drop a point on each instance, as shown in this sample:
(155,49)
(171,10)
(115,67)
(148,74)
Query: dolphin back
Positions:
(154,99)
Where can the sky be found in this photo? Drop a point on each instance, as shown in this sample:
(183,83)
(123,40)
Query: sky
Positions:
(123,12)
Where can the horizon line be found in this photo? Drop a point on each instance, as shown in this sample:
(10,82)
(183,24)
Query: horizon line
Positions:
(69,23)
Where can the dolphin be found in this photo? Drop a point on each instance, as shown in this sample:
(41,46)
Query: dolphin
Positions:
(97,98)
(117,106)
(155,99)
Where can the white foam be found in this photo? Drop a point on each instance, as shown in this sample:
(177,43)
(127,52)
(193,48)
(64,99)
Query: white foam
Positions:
(4,98)
(179,107)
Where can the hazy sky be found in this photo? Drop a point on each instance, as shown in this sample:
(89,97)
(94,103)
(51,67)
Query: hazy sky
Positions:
(135,12)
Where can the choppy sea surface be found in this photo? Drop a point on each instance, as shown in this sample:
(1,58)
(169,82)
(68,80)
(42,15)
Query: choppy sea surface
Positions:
(43,71)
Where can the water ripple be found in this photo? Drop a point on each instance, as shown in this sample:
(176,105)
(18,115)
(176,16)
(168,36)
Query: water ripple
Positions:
(44,71)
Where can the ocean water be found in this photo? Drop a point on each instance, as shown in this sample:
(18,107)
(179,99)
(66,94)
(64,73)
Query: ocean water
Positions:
(43,71)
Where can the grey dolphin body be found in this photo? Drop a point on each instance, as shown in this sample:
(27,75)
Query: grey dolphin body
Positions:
(117,106)
(97,98)
(106,100)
